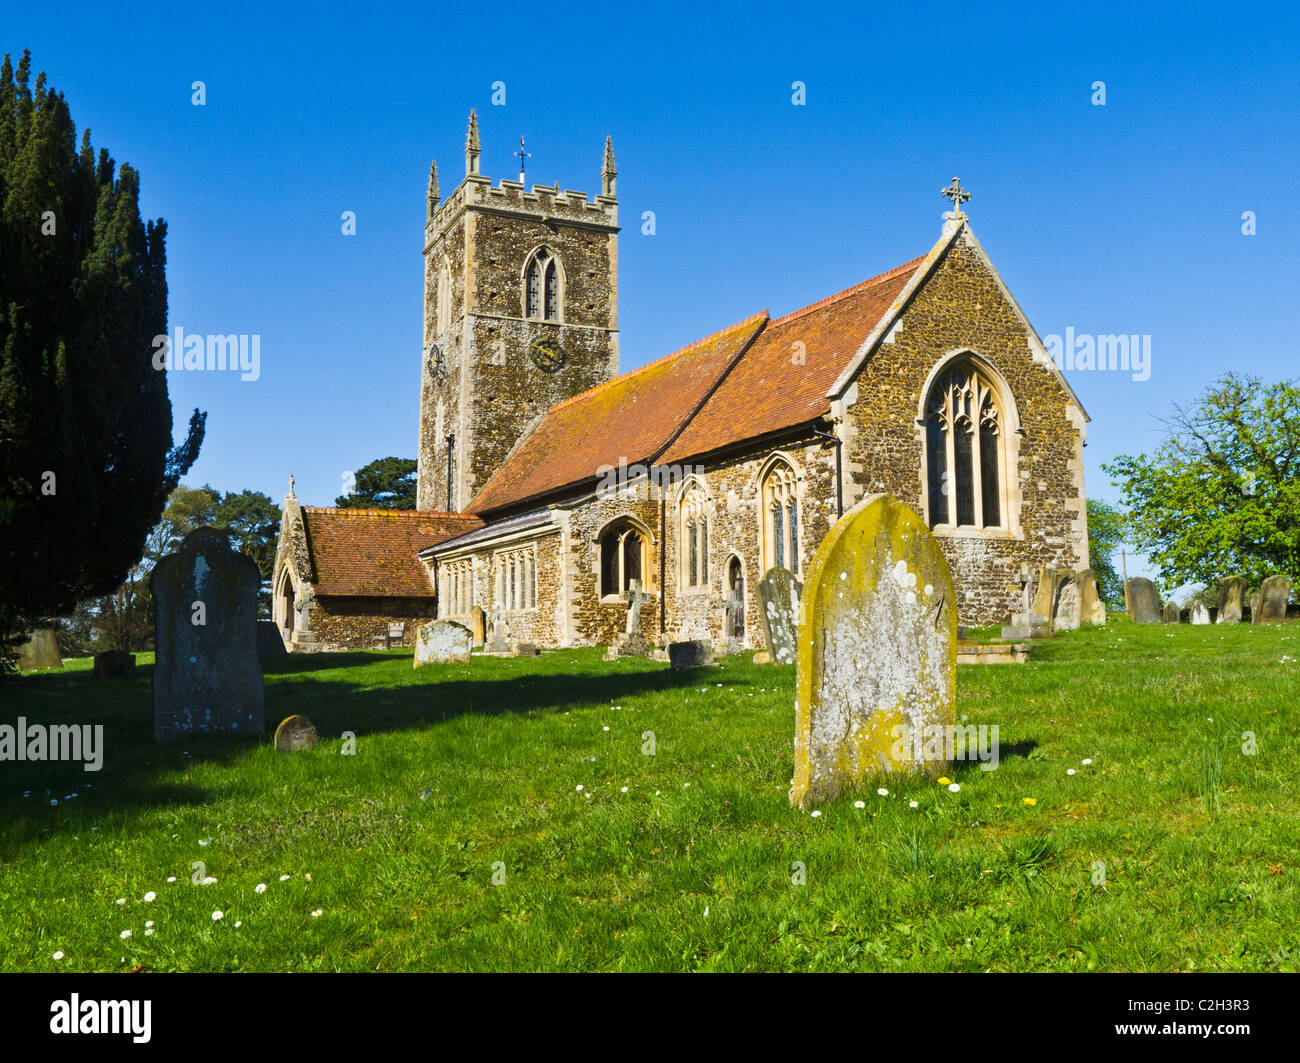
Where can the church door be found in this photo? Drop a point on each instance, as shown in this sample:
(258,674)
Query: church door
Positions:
(736,599)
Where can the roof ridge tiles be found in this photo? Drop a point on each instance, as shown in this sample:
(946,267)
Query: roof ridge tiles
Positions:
(701,342)
(352,511)
(870,282)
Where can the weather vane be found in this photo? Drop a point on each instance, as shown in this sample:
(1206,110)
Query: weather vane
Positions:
(522,156)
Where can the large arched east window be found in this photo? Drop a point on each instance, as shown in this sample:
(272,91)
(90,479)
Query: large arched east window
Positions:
(542,287)
(964,443)
(694,538)
(622,558)
(780,518)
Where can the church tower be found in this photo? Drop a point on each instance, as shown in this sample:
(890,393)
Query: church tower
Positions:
(520,312)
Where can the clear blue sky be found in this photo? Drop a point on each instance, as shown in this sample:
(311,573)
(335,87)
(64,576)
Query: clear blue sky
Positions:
(1117,219)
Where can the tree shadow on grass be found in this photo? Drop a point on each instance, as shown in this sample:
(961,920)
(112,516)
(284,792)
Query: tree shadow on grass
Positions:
(386,699)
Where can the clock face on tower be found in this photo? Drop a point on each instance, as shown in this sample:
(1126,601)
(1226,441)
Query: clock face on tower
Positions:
(547,355)
(437,364)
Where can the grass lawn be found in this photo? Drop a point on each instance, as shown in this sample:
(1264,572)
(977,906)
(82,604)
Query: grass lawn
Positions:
(532,770)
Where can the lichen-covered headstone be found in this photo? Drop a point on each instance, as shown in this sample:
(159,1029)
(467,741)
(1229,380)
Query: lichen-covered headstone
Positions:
(1067,610)
(1092,610)
(1169,612)
(441,641)
(1143,601)
(295,733)
(40,651)
(877,652)
(1232,599)
(478,625)
(778,594)
(114,664)
(207,678)
(1198,612)
(1044,604)
(1273,595)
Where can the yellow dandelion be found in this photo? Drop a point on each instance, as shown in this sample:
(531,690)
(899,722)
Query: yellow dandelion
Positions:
(944,780)
(1031,800)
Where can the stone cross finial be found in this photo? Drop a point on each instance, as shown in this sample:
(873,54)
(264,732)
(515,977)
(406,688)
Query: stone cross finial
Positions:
(433,196)
(473,149)
(609,172)
(957,194)
(635,597)
(522,156)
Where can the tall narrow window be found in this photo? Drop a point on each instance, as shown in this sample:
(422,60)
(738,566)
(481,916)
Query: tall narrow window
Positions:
(542,287)
(964,453)
(694,536)
(781,518)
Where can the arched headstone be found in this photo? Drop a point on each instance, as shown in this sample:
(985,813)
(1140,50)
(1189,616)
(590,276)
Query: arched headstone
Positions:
(1273,595)
(1232,599)
(877,654)
(779,595)
(207,678)
(440,641)
(1143,601)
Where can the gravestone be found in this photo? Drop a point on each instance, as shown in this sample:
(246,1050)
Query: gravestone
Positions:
(270,643)
(877,653)
(1092,610)
(1143,600)
(778,594)
(1044,603)
(1232,599)
(524,649)
(40,651)
(478,625)
(1199,612)
(1273,595)
(1067,608)
(632,643)
(442,641)
(696,653)
(114,664)
(295,733)
(207,678)
(496,636)
(1254,607)
(1170,613)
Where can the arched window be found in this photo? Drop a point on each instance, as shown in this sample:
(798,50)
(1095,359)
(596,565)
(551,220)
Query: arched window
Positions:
(694,537)
(517,579)
(542,287)
(964,441)
(781,518)
(622,558)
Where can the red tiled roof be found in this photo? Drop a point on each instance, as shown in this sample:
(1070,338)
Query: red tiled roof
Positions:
(630,418)
(769,389)
(372,552)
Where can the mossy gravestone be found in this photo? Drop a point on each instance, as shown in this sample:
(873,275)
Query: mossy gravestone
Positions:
(877,652)
(1232,599)
(207,678)
(779,593)
(1274,593)
(40,651)
(441,641)
(295,733)
(1143,601)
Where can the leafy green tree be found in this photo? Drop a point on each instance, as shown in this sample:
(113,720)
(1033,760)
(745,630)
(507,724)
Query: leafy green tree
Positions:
(86,458)
(1105,534)
(387,483)
(253,522)
(1221,495)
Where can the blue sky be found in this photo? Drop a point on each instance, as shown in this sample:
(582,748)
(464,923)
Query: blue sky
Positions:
(1125,218)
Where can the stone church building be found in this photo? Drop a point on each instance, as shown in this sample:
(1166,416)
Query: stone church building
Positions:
(548,482)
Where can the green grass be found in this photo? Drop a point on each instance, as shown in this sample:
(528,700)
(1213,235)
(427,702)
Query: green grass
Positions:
(694,866)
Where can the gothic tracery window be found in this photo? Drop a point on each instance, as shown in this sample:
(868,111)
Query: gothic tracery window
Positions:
(542,287)
(622,558)
(781,518)
(964,450)
(516,579)
(694,538)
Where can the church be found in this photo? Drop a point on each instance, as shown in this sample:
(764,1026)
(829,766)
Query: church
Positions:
(549,484)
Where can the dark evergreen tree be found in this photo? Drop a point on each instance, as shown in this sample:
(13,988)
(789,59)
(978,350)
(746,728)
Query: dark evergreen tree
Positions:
(86,458)
(386,483)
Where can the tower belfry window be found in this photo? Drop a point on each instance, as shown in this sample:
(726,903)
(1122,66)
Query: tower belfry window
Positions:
(542,287)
